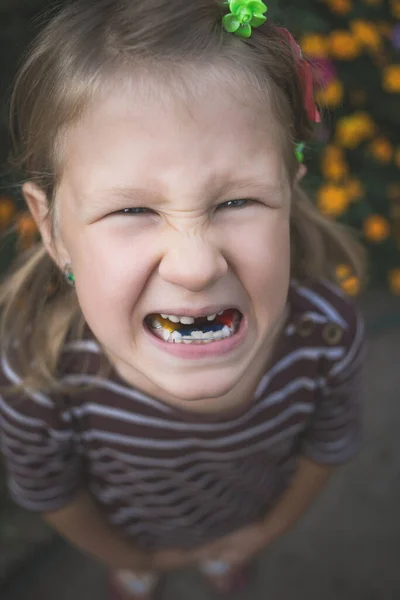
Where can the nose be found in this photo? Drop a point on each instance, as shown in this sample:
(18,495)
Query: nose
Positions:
(192,263)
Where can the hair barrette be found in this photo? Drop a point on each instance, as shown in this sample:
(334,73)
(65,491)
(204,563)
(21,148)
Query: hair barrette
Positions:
(243,16)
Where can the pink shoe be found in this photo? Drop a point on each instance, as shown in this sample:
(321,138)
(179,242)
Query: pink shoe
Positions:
(225,579)
(129,586)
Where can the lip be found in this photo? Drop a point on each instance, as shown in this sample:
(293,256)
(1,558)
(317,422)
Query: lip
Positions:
(199,351)
(195,312)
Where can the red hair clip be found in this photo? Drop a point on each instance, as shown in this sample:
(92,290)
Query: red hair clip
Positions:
(306,77)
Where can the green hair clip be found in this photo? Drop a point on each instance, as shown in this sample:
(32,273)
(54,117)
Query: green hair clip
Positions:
(244,14)
(300,152)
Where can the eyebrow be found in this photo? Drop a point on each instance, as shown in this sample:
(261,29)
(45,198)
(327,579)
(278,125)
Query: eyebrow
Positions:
(240,184)
(128,193)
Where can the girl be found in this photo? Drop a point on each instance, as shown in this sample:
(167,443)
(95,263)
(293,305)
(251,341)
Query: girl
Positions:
(183,391)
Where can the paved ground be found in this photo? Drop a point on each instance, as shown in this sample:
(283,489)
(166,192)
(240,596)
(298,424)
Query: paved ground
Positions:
(347,548)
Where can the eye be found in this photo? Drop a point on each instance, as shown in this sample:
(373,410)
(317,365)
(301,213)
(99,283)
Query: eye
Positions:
(137,210)
(239,203)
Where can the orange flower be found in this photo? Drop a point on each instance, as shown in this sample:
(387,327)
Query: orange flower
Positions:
(333,152)
(335,170)
(7,211)
(343,271)
(349,283)
(376,228)
(343,45)
(27,231)
(332,200)
(354,129)
(351,286)
(333,164)
(366,33)
(332,95)
(354,188)
(394,281)
(314,45)
(391,79)
(381,149)
(340,7)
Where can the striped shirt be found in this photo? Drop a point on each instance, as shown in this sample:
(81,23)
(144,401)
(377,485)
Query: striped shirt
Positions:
(165,478)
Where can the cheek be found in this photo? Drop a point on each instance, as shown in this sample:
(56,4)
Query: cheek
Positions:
(261,252)
(262,263)
(111,272)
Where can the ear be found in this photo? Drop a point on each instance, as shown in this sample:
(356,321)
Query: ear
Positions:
(301,173)
(38,205)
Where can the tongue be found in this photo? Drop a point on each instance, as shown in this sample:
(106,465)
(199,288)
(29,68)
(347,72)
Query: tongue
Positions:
(227,317)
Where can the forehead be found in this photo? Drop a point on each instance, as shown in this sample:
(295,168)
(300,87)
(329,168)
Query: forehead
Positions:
(151,133)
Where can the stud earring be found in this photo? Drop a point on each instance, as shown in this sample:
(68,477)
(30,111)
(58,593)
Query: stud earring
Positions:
(69,276)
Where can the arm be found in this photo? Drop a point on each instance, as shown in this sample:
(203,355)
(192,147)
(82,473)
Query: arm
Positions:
(309,480)
(240,547)
(82,523)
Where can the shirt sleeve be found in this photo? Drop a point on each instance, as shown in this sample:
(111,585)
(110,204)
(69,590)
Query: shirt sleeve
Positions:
(43,470)
(334,434)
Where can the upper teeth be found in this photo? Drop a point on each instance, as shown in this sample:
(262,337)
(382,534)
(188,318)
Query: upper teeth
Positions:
(186,320)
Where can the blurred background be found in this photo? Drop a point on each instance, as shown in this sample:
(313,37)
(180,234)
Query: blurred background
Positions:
(349,545)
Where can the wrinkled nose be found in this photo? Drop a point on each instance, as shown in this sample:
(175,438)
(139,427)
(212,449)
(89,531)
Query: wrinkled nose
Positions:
(193,264)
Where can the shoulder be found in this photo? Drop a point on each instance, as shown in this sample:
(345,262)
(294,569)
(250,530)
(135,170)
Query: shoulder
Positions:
(25,407)
(84,363)
(323,315)
(325,303)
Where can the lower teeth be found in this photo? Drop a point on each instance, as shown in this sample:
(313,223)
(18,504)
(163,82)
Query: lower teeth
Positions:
(175,337)
(195,336)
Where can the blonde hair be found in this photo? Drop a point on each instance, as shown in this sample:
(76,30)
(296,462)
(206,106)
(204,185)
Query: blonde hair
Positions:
(84,45)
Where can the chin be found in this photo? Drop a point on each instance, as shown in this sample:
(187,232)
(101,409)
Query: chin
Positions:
(198,388)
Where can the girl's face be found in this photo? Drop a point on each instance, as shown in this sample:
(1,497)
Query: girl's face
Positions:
(179,210)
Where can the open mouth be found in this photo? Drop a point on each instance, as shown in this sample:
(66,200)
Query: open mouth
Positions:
(211,328)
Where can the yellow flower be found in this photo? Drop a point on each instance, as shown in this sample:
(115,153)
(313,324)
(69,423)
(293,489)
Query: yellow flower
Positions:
(7,210)
(314,45)
(354,188)
(354,129)
(333,152)
(349,283)
(343,45)
(381,149)
(340,7)
(332,200)
(394,281)
(332,95)
(335,170)
(343,271)
(376,228)
(333,165)
(27,231)
(351,286)
(391,79)
(366,33)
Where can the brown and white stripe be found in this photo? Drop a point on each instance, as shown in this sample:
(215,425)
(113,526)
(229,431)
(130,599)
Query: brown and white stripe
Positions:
(165,479)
